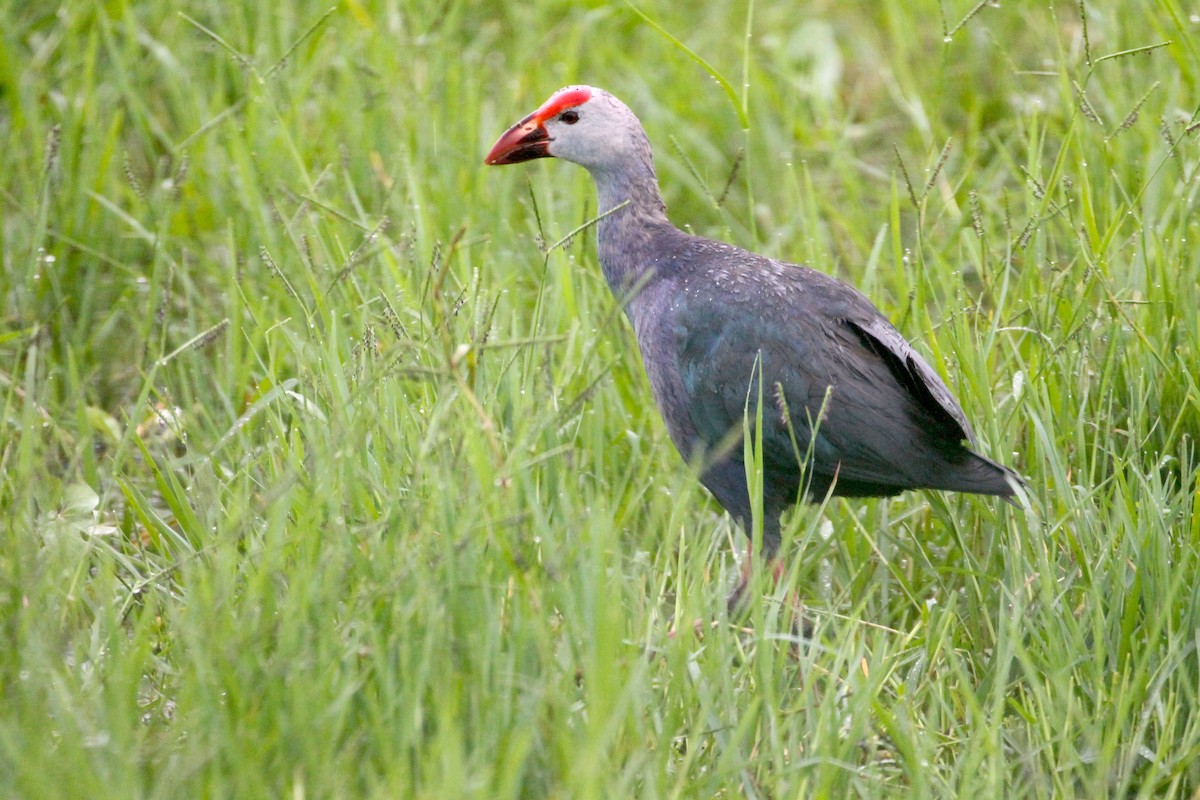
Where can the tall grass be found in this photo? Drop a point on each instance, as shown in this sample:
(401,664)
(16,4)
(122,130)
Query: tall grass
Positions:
(321,474)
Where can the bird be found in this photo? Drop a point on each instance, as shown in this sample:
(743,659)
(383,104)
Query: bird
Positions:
(848,407)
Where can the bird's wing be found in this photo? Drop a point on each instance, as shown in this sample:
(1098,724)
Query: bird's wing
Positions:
(914,374)
(723,349)
(884,406)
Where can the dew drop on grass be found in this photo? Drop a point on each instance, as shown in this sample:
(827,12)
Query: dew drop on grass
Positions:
(96,741)
(825,529)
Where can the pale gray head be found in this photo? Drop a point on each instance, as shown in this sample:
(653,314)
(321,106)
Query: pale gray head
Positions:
(581,124)
(590,127)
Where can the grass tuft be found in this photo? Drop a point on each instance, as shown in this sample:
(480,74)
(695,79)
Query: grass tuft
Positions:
(328,468)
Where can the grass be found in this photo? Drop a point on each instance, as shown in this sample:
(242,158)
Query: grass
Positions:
(318,477)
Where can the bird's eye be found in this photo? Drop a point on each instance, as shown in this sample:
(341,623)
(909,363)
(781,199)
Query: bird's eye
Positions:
(570,116)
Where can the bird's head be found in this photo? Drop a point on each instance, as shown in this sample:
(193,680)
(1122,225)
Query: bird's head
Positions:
(582,124)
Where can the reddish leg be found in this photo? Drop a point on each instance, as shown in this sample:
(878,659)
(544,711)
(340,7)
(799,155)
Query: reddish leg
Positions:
(737,597)
(737,601)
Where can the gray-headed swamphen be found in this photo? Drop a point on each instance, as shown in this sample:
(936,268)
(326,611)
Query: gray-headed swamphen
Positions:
(711,319)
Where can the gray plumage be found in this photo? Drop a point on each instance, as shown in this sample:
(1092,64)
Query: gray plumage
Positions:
(840,386)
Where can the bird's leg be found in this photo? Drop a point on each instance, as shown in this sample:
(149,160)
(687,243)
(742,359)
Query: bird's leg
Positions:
(801,626)
(737,598)
(737,601)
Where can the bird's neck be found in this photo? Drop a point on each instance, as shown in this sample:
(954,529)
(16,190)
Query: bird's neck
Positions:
(632,212)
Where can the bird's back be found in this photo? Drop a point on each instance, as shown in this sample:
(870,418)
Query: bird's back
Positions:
(842,391)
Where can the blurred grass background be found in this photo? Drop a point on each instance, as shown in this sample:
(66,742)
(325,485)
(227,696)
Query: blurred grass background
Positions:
(320,476)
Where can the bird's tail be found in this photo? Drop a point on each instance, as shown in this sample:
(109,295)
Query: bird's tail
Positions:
(981,475)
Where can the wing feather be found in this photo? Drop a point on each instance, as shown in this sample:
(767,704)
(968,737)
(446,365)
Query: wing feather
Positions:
(886,406)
